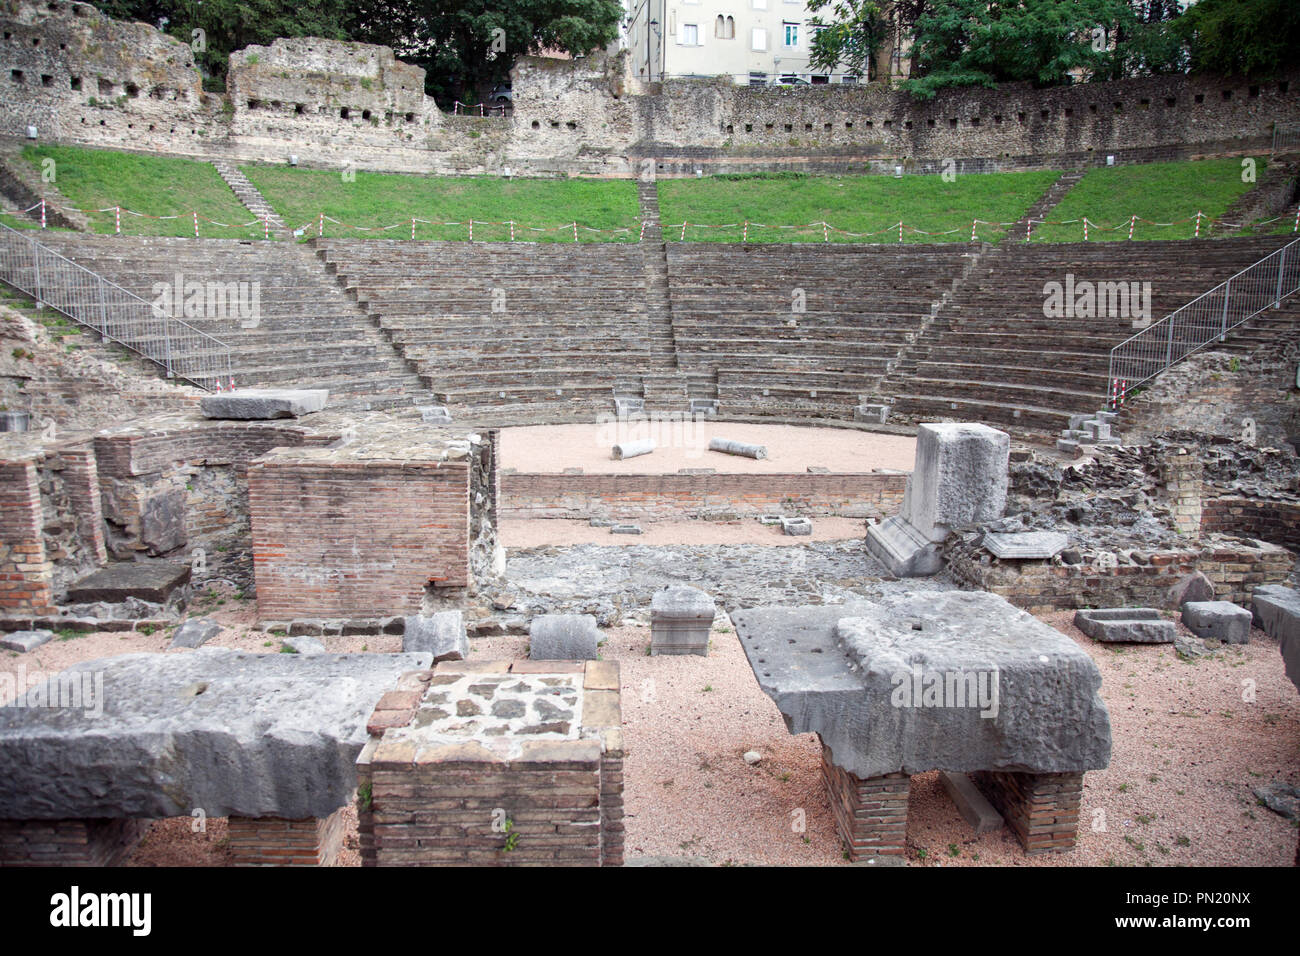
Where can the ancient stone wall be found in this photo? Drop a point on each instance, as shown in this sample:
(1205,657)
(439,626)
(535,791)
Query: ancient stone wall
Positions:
(80,77)
(72,520)
(657,497)
(342,538)
(1214,393)
(1271,520)
(1235,567)
(26,571)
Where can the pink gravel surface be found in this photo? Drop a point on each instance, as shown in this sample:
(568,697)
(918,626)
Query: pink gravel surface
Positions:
(1187,751)
(790,448)
(539,532)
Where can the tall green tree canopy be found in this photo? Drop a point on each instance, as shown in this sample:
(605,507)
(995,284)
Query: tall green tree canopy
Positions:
(979,43)
(1255,37)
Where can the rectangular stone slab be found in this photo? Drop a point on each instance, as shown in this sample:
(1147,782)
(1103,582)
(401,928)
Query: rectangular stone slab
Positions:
(1026,545)
(1138,625)
(1277,614)
(838,671)
(264,403)
(224,731)
(147,580)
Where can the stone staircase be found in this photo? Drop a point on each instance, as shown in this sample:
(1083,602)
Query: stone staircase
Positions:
(251,197)
(1044,205)
(1273,196)
(305,333)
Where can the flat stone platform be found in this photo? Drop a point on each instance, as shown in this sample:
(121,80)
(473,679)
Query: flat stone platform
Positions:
(161,735)
(147,580)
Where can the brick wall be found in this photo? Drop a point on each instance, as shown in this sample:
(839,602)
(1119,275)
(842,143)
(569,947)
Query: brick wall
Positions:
(1042,809)
(340,539)
(870,814)
(69,842)
(271,841)
(1277,522)
(671,496)
(531,795)
(1236,568)
(26,573)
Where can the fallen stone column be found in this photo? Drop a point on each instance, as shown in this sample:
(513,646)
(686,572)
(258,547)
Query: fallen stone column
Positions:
(634,449)
(728,447)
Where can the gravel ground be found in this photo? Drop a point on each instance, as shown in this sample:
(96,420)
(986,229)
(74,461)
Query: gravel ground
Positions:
(790,448)
(1187,751)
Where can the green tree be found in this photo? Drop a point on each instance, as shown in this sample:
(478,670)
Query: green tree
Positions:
(850,39)
(982,43)
(1253,37)
(457,43)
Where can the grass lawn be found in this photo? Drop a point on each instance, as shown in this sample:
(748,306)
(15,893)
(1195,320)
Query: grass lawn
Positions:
(859,204)
(97,179)
(1159,192)
(376,200)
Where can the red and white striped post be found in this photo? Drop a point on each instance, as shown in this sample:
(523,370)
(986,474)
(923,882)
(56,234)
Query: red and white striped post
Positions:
(1198,225)
(471,229)
(640,238)
(973,224)
(1132,221)
(826,232)
(512,230)
(1297,220)
(900,230)
(266,227)
(117,220)
(683,239)
(1085,228)
(412,227)
(42,213)
(575,230)
(1029,229)
(744,234)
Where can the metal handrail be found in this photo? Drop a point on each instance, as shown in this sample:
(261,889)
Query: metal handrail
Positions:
(1207,318)
(117,314)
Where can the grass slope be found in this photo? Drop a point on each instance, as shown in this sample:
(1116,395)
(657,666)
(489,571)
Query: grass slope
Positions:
(94,179)
(541,208)
(1159,192)
(859,204)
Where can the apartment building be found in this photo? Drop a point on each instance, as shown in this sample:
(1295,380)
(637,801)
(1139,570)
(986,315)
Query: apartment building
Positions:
(755,42)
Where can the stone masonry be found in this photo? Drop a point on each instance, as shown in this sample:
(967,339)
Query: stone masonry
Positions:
(495,763)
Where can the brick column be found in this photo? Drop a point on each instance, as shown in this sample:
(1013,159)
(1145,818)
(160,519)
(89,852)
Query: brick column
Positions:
(1180,476)
(272,841)
(26,572)
(1042,809)
(69,842)
(81,480)
(870,813)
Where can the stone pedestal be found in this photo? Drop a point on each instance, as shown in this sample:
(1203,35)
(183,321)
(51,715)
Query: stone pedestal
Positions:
(680,621)
(272,841)
(495,763)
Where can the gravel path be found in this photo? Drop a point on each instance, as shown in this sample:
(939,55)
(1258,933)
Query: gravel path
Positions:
(1187,752)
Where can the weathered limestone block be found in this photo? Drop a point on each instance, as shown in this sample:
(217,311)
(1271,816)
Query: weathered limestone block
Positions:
(1193,587)
(680,620)
(435,414)
(797,526)
(442,635)
(563,637)
(195,633)
(24,641)
(1218,620)
(264,403)
(951,680)
(153,581)
(1138,625)
(229,732)
(1277,614)
(1026,545)
(162,524)
(960,477)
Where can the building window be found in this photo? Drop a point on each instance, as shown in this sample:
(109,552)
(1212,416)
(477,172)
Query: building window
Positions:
(790,36)
(724,28)
(759,39)
(756,79)
(690,34)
